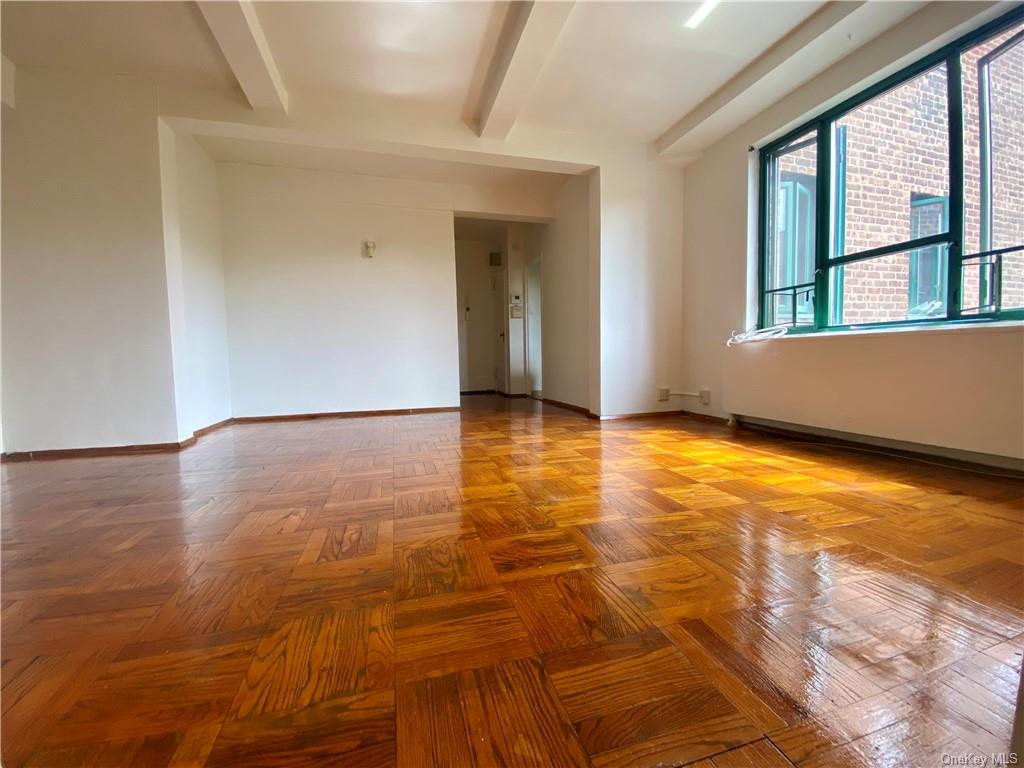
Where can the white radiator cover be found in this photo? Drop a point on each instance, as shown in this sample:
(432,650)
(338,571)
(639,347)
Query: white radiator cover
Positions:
(960,388)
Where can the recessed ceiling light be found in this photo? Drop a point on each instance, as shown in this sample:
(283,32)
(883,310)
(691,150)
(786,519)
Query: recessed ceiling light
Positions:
(701,13)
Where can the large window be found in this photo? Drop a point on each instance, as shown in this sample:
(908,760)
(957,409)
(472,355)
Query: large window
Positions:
(789,270)
(904,204)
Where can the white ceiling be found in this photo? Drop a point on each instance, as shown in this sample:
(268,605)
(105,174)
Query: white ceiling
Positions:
(633,68)
(427,52)
(637,56)
(168,41)
(626,69)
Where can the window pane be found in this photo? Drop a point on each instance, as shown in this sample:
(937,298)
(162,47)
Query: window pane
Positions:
(1012,280)
(779,310)
(893,147)
(993,283)
(928,274)
(792,193)
(979,281)
(993,83)
(779,307)
(909,285)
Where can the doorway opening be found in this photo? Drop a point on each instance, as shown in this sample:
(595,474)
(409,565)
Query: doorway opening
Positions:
(498,269)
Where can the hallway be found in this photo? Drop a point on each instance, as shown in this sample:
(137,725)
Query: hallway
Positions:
(511,584)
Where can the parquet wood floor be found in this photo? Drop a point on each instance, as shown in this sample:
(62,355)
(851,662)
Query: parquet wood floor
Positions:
(511,585)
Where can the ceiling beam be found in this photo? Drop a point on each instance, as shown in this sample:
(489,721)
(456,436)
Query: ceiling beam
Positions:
(341,140)
(526,42)
(237,28)
(827,37)
(683,138)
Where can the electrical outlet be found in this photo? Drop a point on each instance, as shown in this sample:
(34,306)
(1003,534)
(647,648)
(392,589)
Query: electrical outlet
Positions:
(662,394)
(705,397)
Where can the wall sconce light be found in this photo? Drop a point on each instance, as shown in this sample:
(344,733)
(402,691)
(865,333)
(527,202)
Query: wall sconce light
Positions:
(369,248)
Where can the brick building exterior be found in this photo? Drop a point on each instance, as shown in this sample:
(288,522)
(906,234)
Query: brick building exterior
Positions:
(895,152)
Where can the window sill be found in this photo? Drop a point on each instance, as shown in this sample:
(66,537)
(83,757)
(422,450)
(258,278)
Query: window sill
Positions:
(977,326)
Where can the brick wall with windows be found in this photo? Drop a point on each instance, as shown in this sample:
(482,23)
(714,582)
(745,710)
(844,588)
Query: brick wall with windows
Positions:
(897,152)
(890,179)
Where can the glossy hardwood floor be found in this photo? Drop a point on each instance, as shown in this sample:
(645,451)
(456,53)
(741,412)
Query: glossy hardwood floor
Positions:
(514,585)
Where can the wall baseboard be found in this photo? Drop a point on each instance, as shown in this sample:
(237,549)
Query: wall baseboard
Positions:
(950,457)
(342,414)
(567,406)
(479,392)
(622,416)
(705,417)
(111,450)
(131,450)
(211,428)
(646,415)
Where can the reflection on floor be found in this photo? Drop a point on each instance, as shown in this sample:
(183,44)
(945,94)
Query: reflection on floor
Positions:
(512,585)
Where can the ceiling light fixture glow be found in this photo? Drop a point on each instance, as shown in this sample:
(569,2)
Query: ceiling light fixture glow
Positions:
(701,13)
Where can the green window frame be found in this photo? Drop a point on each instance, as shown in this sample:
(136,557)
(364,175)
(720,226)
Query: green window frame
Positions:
(836,281)
(927,252)
(791,218)
(989,259)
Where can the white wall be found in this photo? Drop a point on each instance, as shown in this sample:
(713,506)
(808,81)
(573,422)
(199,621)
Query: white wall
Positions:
(86,342)
(625,267)
(175,279)
(114,323)
(565,297)
(195,282)
(313,326)
(478,289)
(641,256)
(7,93)
(208,390)
(719,267)
(635,221)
